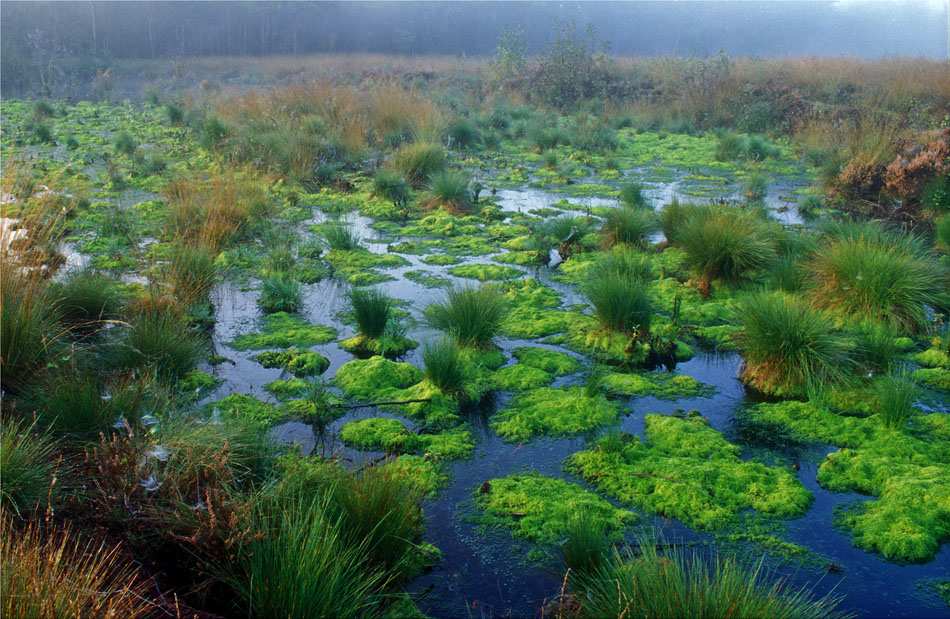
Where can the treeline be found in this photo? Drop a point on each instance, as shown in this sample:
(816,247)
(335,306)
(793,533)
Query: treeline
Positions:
(110,30)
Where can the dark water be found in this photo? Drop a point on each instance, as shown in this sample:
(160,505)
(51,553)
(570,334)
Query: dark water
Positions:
(488,573)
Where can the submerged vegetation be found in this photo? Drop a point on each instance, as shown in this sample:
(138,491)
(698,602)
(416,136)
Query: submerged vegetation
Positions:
(180,272)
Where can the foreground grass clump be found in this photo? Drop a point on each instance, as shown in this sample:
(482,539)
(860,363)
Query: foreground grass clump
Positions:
(788,347)
(29,471)
(553,412)
(156,339)
(545,506)
(30,328)
(85,299)
(620,304)
(473,316)
(417,162)
(57,576)
(677,583)
(192,273)
(722,243)
(372,311)
(280,294)
(444,366)
(687,470)
(865,271)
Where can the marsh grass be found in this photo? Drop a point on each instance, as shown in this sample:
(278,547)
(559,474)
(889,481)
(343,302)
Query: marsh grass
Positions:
(672,218)
(622,305)
(155,338)
(876,346)
(723,243)
(444,366)
(280,294)
(371,309)
(57,574)
(755,185)
(27,459)
(897,395)
(339,236)
(678,583)
(789,347)
(418,161)
(583,550)
(449,190)
(864,271)
(629,226)
(624,263)
(192,273)
(631,196)
(31,331)
(392,187)
(472,316)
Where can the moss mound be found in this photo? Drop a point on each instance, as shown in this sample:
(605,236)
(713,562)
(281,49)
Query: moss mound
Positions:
(553,412)
(283,330)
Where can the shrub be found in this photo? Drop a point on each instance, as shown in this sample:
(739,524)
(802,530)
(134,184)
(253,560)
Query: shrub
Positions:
(723,243)
(42,134)
(681,584)
(444,366)
(57,576)
(629,226)
(418,162)
(631,194)
(26,459)
(280,294)
(897,395)
(863,271)
(789,348)
(450,190)
(756,184)
(372,310)
(472,316)
(124,143)
(622,305)
(174,114)
(43,109)
(299,561)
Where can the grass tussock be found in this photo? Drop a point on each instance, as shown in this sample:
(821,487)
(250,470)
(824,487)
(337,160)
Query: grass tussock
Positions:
(450,191)
(31,331)
(628,226)
(156,338)
(372,310)
(620,304)
(472,316)
(789,347)
(27,459)
(444,366)
(280,294)
(897,395)
(418,162)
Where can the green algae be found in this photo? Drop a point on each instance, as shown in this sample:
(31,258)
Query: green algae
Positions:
(486,272)
(547,411)
(530,314)
(391,435)
(540,509)
(687,470)
(389,346)
(427,279)
(375,379)
(283,330)
(519,258)
(520,377)
(298,362)
(246,409)
(356,265)
(551,361)
(663,385)
(425,473)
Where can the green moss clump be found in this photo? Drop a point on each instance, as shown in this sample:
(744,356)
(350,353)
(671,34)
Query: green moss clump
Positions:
(687,470)
(387,346)
(441,260)
(198,382)
(486,272)
(933,358)
(530,310)
(289,389)
(356,265)
(539,508)
(283,330)
(664,385)
(520,377)
(937,378)
(427,279)
(390,435)
(425,473)
(552,361)
(519,258)
(553,412)
(246,409)
(375,379)
(940,588)
(298,362)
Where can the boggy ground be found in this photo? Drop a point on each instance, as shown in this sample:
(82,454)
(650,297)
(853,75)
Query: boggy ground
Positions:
(631,415)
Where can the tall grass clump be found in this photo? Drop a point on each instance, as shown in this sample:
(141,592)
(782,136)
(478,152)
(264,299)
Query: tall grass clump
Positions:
(450,191)
(622,262)
(622,305)
(124,143)
(755,186)
(723,243)
(864,271)
(418,162)
(472,316)
(677,583)
(298,562)
(444,365)
(280,294)
(789,347)
(30,328)
(897,395)
(192,273)
(629,226)
(631,195)
(156,339)
(57,575)
(942,233)
(876,347)
(85,298)
(28,466)
(584,550)
(672,218)
(372,310)
(392,187)
(339,236)
(463,134)
(380,513)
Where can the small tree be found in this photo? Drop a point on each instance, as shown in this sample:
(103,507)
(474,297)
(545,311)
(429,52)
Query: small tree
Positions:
(572,69)
(510,58)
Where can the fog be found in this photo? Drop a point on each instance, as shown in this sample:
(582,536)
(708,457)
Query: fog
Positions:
(863,28)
